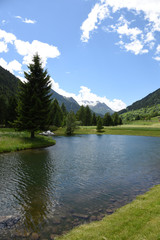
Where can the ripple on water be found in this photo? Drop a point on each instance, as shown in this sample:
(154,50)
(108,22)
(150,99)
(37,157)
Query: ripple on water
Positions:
(76,181)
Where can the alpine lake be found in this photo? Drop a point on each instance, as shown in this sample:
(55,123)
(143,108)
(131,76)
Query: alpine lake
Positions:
(46,192)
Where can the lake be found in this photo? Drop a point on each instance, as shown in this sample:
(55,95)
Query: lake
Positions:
(81,178)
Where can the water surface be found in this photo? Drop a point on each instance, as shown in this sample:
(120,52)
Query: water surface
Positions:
(76,181)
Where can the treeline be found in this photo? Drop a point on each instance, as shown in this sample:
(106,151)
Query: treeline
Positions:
(7,110)
(57,115)
(89,118)
(84,116)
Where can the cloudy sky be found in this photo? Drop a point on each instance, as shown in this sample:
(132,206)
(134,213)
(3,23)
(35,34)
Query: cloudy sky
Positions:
(106,50)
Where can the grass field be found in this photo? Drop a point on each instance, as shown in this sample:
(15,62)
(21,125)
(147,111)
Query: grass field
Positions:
(10,140)
(137,128)
(139,220)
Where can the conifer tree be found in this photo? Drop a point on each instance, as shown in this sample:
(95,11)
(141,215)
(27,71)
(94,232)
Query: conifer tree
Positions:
(70,123)
(94,120)
(88,116)
(99,125)
(63,109)
(81,115)
(107,120)
(56,114)
(34,99)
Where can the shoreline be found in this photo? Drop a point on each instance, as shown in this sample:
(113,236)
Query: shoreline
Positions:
(136,220)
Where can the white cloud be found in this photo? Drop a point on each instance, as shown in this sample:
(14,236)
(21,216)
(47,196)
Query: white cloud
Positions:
(157,54)
(85,94)
(122,28)
(136,47)
(3,47)
(141,40)
(27,50)
(97,14)
(26,20)
(158,49)
(11,66)
(7,37)
(156,58)
(21,78)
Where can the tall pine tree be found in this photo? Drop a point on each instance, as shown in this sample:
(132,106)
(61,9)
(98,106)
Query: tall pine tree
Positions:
(34,98)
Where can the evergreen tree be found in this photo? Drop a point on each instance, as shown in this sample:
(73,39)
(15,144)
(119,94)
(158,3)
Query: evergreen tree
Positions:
(34,98)
(70,123)
(116,119)
(107,120)
(63,109)
(94,120)
(88,117)
(56,114)
(81,115)
(3,109)
(99,125)
(11,110)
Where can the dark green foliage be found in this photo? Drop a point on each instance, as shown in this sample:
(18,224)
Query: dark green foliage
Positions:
(70,123)
(150,100)
(8,83)
(56,115)
(11,111)
(8,89)
(116,119)
(99,124)
(94,120)
(84,115)
(141,114)
(107,120)
(3,109)
(87,117)
(63,109)
(81,115)
(34,99)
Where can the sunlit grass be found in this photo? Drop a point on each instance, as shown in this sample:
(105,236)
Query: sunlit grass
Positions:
(129,129)
(11,140)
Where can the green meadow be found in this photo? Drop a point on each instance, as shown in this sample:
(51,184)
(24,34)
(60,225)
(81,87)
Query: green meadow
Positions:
(135,128)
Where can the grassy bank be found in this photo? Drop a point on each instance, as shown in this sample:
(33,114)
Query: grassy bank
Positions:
(11,140)
(139,220)
(130,129)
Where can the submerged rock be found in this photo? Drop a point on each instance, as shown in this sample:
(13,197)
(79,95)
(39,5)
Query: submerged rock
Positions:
(35,236)
(8,221)
(78,215)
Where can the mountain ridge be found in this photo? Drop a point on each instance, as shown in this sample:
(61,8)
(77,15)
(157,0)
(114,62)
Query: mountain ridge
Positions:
(148,101)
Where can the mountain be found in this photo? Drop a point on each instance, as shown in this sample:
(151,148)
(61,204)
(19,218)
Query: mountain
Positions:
(69,102)
(101,108)
(148,101)
(8,83)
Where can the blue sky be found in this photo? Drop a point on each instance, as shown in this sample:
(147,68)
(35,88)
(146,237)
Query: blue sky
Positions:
(106,50)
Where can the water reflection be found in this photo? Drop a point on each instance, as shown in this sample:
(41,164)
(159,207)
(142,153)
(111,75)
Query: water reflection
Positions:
(33,193)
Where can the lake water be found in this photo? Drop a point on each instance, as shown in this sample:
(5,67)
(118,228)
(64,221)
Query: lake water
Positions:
(78,180)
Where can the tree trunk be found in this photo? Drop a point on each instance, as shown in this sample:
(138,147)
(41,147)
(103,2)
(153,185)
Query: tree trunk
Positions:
(32,134)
